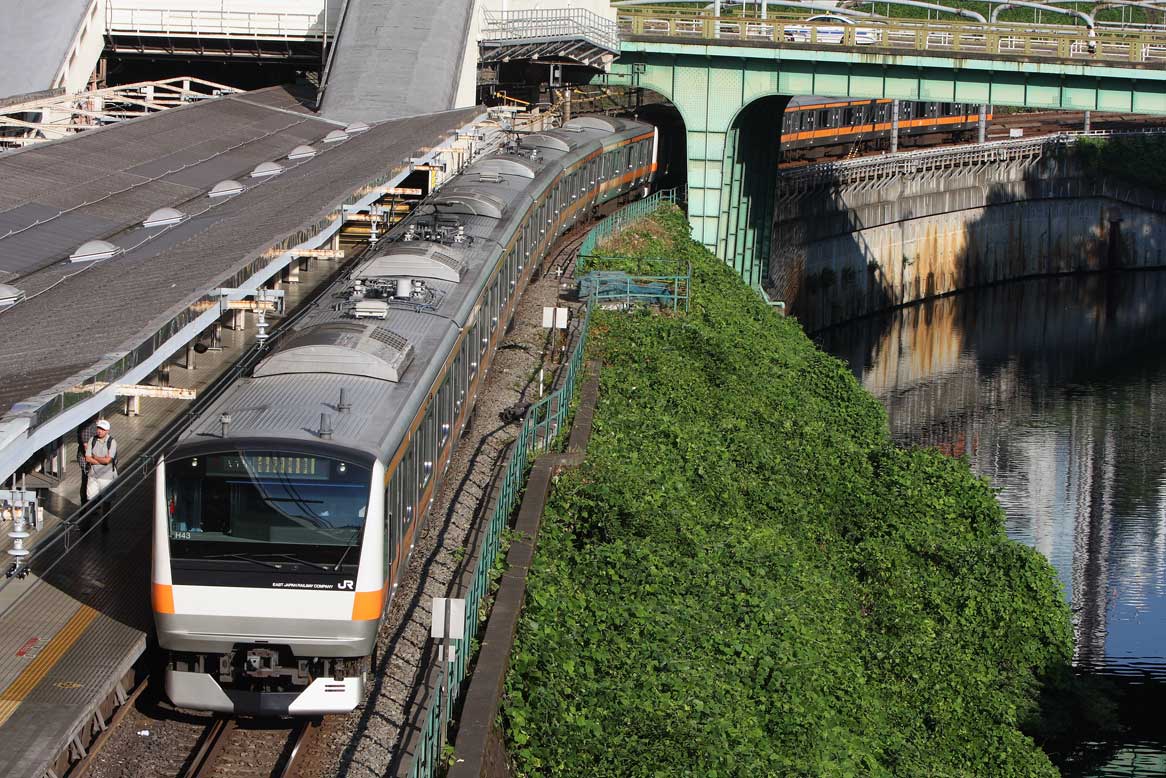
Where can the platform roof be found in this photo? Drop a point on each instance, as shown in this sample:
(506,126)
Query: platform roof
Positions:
(78,313)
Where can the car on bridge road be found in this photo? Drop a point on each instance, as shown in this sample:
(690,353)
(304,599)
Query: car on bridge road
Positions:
(796,33)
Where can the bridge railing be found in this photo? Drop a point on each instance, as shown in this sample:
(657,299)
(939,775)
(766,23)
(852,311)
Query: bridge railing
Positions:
(855,171)
(952,38)
(545,24)
(213,23)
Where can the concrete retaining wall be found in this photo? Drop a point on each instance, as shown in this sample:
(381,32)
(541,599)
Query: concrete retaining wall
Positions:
(847,251)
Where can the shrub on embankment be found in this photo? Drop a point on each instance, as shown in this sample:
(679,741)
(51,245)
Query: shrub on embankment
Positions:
(1139,159)
(747,578)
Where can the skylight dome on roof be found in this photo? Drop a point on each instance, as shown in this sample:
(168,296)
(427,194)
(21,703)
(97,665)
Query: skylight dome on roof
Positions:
(264,169)
(336,136)
(302,152)
(9,295)
(356,127)
(225,188)
(163,217)
(94,250)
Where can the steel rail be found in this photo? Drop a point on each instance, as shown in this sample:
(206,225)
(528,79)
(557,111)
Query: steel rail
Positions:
(306,731)
(210,748)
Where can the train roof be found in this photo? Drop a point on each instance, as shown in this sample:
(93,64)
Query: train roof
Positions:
(809,101)
(385,365)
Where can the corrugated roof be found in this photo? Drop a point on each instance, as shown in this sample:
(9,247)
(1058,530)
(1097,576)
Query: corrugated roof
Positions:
(76,319)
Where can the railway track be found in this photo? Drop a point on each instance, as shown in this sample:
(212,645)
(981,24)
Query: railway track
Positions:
(232,748)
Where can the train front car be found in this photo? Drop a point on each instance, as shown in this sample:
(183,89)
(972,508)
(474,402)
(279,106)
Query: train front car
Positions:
(256,568)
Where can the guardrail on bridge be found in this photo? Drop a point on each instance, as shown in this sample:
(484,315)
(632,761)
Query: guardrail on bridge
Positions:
(214,24)
(897,36)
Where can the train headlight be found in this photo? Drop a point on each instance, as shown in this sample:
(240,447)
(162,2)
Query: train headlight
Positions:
(343,468)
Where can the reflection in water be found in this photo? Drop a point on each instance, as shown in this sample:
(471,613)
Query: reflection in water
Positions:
(1055,390)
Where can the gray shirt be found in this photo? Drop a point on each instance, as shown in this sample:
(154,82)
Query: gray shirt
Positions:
(98,447)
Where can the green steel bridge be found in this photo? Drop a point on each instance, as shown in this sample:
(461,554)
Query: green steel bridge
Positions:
(731,76)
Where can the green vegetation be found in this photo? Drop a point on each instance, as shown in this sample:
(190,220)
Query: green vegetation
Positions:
(1138,159)
(747,578)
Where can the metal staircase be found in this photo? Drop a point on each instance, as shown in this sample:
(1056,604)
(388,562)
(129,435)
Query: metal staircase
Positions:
(564,34)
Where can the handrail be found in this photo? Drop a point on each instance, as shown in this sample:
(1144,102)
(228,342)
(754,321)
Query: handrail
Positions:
(1113,46)
(199,23)
(843,173)
(549,24)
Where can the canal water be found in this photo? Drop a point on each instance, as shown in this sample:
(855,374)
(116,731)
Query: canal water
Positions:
(1055,391)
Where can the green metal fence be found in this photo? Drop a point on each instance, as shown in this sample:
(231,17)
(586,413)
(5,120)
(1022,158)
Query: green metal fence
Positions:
(620,219)
(544,420)
(543,423)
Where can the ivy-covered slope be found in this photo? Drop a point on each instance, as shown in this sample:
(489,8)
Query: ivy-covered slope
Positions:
(1138,159)
(747,578)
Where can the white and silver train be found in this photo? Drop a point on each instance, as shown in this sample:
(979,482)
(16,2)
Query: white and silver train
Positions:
(285,515)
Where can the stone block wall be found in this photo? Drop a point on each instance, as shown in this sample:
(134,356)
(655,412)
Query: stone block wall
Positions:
(849,248)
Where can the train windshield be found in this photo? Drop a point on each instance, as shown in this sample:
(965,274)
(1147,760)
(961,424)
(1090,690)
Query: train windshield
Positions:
(266,505)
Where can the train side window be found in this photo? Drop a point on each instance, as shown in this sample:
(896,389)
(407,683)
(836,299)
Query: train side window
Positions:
(495,301)
(426,433)
(483,327)
(409,484)
(445,409)
(457,392)
(394,506)
(470,352)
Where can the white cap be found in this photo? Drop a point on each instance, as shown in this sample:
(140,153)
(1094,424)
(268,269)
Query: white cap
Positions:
(102,424)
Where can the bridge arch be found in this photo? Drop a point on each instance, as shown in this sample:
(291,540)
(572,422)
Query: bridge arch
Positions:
(732,123)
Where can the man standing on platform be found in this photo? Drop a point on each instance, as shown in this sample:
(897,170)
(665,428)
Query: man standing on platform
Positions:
(85,434)
(101,456)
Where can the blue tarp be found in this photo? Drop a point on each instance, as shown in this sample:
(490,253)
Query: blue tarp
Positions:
(616,284)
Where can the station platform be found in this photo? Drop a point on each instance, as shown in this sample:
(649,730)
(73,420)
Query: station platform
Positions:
(72,635)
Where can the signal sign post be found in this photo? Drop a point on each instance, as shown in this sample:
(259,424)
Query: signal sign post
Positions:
(447,623)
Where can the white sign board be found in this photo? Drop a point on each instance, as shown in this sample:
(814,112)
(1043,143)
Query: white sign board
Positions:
(555,317)
(457,618)
(1015,132)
